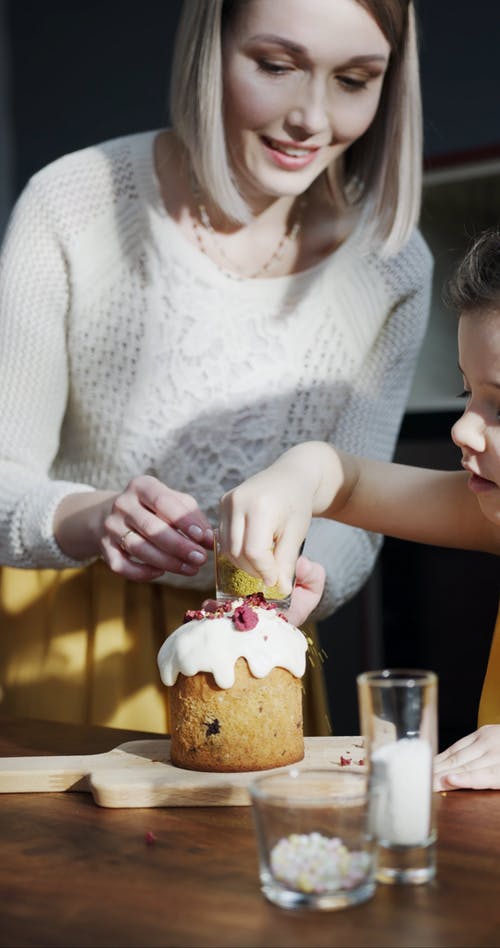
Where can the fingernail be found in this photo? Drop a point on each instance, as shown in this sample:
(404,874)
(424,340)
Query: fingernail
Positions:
(187,569)
(195,532)
(196,557)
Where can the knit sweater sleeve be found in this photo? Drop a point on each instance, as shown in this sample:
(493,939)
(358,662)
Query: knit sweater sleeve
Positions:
(34,300)
(371,419)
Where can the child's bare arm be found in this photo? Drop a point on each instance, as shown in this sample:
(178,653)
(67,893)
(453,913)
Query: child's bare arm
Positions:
(416,504)
(265,519)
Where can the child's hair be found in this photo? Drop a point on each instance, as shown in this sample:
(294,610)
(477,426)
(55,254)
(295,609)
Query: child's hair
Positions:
(476,282)
(382,170)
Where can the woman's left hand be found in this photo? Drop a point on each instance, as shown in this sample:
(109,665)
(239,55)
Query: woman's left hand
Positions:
(308,590)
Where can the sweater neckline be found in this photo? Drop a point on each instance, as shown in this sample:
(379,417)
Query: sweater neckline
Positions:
(149,186)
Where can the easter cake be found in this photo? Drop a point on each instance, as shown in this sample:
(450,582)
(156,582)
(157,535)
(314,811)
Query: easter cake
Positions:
(235,691)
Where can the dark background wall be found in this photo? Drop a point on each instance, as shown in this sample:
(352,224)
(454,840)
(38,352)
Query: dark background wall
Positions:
(80,72)
(84,71)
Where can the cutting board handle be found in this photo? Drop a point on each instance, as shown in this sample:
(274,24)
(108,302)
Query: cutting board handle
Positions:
(28,774)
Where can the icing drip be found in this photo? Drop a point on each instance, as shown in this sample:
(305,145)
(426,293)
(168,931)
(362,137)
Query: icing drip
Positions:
(214,642)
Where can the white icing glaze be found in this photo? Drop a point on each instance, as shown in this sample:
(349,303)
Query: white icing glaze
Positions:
(214,645)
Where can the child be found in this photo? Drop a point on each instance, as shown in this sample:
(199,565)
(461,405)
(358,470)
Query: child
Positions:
(265,519)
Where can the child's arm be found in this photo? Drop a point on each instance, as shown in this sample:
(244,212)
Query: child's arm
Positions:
(265,519)
(472,763)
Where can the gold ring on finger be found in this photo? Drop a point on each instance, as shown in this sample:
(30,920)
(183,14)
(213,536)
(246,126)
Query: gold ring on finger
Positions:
(123,540)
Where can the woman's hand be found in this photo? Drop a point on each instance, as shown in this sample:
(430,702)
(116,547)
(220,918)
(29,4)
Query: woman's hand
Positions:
(308,590)
(471,763)
(144,531)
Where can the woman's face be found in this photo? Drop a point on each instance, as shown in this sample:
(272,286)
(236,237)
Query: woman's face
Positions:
(302,81)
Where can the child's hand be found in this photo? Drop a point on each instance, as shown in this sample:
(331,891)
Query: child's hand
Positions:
(308,589)
(307,592)
(264,521)
(471,763)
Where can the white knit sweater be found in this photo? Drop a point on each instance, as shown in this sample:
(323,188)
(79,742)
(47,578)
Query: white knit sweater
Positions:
(123,349)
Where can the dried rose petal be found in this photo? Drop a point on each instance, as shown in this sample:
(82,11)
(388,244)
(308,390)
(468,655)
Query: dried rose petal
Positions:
(194,614)
(345,761)
(259,600)
(245,618)
(150,838)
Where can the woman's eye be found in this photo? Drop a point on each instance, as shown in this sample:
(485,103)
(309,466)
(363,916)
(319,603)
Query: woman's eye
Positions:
(351,84)
(276,69)
(464,394)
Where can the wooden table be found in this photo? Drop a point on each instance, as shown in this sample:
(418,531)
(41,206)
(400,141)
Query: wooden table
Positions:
(76,874)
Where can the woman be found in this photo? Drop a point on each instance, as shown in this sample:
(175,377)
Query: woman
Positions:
(178,308)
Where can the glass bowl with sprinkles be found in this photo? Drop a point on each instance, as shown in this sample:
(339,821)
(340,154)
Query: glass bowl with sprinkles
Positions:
(314,846)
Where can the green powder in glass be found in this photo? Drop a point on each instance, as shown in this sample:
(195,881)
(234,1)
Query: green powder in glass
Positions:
(235,582)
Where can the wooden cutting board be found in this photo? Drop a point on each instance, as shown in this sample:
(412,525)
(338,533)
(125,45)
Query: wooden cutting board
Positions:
(140,774)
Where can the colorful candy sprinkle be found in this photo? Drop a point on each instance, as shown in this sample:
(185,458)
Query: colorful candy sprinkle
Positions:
(315,863)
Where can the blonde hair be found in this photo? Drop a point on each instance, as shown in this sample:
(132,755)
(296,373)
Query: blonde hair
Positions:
(382,171)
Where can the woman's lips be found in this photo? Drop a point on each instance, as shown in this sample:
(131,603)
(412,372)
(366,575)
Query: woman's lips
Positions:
(479,485)
(289,155)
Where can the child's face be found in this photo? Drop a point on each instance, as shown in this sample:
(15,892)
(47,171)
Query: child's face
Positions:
(477,432)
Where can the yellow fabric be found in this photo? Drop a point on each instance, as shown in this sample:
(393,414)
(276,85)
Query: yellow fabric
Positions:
(489,705)
(315,698)
(80,646)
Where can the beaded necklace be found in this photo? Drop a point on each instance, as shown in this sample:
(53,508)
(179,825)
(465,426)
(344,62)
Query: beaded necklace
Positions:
(202,225)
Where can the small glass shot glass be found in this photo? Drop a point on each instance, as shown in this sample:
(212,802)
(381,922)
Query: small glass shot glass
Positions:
(398,711)
(315,848)
(231,582)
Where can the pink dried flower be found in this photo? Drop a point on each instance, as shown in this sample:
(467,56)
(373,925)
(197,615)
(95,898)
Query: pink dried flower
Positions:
(245,618)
